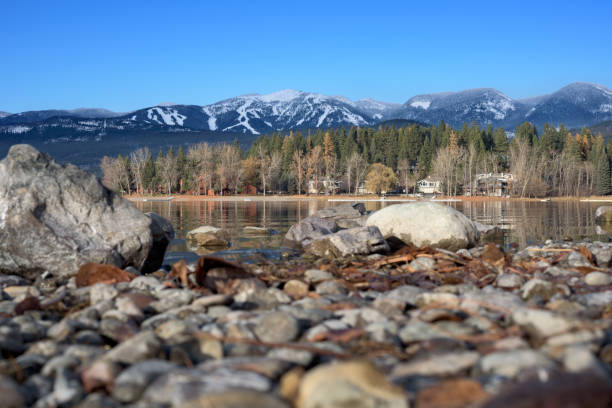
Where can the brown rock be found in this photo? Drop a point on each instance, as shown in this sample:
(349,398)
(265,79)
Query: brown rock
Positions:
(296,289)
(99,375)
(456,393)
(237,398)
(90,274)
(493,255)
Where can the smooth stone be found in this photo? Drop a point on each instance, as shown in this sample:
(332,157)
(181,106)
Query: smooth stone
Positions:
(446,364)
(99,375)
(142,346)
(101,292)
(418,331)
(317,276)
(597,300)
(256,231)
(579,358)
(355,384)
(349,215)
(422,264)
(133,381)
(331,287)
(12,396)
(598,279)
(577,260)
(237,398)
(538,287)
(296,288)
(509,281)
(277,327)
(426,223)
(511,363)
(541,323)
(263,297)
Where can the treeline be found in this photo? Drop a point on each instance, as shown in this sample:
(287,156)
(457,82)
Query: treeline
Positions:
(556,162)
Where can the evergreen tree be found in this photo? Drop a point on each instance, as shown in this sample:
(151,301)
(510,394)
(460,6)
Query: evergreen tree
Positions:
(603,176)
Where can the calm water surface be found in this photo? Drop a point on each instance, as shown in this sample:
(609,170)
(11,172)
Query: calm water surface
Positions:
(522,222)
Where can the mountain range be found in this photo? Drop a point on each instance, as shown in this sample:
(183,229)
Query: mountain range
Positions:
(575,106)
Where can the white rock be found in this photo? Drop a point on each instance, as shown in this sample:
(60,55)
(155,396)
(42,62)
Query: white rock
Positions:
(426,223)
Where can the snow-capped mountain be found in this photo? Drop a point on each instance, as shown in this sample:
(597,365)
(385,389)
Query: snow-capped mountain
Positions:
(484,106)
(37,116)
(575,105)
(4,114)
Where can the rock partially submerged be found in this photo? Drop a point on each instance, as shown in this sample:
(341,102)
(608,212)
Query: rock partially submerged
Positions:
(56,218)
(207,236)
(426,223)
(603,214)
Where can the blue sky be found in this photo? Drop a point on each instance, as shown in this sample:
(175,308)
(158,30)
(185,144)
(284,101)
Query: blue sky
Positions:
(125,55)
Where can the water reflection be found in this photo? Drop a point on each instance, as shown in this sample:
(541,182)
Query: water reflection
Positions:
(523,222)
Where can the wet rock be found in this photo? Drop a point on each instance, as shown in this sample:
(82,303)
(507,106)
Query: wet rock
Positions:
(207,236)
(56,218)
(163,234)
(603,214)
(277,327)
(426,223)
(598,279)
(352,384)
(256,231)
(307,230)
(353,241)
(511,363)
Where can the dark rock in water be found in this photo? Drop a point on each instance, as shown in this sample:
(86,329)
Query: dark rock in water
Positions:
(309,229)
(56,218)
(163,234)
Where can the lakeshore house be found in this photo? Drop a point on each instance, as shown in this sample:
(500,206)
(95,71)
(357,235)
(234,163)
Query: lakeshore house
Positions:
(429,185)
(324,185)
(491,184)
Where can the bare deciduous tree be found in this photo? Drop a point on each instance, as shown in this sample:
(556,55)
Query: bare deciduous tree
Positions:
(138,160)
(298,168)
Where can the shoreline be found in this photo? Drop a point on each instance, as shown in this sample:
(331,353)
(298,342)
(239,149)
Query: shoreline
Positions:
(345,198)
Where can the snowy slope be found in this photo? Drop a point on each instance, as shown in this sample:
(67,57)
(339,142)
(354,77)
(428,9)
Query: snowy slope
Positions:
(4,114)
(575,105)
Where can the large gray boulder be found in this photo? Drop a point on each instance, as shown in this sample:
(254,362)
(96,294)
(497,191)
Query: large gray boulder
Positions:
(347,215)
(352,241)
(56,218)
(307,230)
(603,214)
(426,223)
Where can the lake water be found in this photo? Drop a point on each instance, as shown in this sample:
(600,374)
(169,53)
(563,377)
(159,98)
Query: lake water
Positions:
(522,222)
